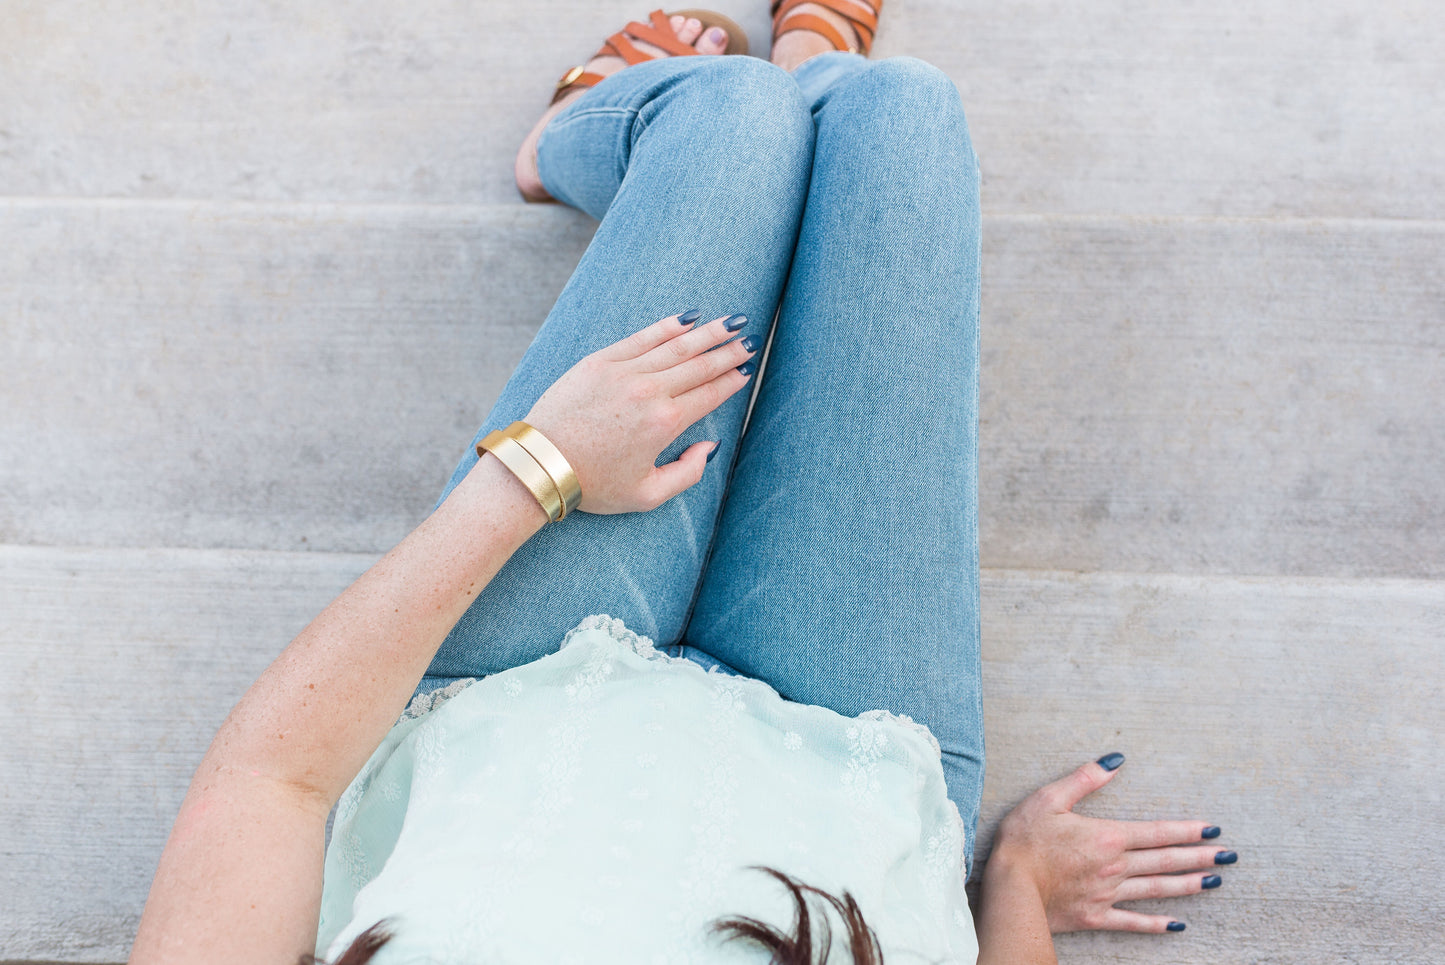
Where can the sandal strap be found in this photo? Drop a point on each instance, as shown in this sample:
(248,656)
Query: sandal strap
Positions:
(864,21)
(806,21)
(658,33)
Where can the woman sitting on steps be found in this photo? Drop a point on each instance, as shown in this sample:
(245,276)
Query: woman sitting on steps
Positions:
(763,726)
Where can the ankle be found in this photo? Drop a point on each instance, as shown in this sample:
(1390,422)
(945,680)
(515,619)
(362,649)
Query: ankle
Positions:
(796,46)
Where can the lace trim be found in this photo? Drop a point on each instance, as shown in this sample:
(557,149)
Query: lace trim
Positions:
(425,703)
(643,646)
(617,630)
(907,723)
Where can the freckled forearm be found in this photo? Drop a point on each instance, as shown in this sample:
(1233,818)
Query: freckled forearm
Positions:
(320,709)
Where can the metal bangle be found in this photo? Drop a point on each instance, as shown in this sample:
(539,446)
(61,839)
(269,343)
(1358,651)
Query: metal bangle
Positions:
(525,468)
(550,458)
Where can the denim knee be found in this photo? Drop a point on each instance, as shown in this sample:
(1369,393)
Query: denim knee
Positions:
(758,102)
(912,83)
(906,89)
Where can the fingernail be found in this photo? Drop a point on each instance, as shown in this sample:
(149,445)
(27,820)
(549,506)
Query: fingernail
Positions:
(1226,857)
(715,447)
(751,343)
(689,316)
(716,35)
(1174,926)
(734,322)
(1111,762)
(1210,832)
(748,367)
(1211,881)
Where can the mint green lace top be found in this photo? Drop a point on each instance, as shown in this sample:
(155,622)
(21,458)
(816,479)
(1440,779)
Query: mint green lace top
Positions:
(604,804)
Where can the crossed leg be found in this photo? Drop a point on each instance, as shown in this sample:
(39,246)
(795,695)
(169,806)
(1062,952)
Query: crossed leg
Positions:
(845,566)
(697,168)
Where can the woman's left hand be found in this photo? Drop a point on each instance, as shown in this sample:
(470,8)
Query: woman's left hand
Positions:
(1084,866)
(613,413)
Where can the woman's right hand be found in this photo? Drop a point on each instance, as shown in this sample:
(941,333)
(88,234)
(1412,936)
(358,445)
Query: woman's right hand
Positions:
(1083,866)
(613,413)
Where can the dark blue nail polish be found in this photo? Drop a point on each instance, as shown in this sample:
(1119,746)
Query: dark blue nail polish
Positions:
(689,316)
(1211,881)
(748,367)
(715,447)
(1111,762)
(1210,832)
(751,343)
(734,322)
(1174,926)
(1226,857)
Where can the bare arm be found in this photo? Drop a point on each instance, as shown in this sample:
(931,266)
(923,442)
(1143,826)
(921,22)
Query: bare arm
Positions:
(1053,871)
(240,878)
(305,727)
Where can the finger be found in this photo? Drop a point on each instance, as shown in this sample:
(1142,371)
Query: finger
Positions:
(686,471)
(1158,861)
(1165,886)
(1117,919)
(703,337)
(1068,791)
(709,365)
(640,343)
(1159,834)
(698,402)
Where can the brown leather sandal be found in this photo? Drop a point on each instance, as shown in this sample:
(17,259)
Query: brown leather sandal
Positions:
(657,32)
(864,21)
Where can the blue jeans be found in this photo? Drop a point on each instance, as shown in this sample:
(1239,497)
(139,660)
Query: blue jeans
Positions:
(832,549)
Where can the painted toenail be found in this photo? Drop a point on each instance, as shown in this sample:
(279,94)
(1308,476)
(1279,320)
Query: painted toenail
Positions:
(716,35)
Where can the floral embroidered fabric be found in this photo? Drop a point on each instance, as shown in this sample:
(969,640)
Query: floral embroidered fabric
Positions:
(606,803)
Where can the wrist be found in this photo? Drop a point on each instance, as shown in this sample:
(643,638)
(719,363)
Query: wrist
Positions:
(491,489)
(1014,867)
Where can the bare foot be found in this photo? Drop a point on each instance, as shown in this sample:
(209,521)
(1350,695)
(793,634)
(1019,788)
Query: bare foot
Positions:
(689,31)
(796,46)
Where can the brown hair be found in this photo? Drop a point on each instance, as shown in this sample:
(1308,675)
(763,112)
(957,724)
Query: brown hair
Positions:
(794,949)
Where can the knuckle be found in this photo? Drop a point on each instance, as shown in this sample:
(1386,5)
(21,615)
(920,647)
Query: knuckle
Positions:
(1112,841)
(712,395)
(642,390)
(664,416)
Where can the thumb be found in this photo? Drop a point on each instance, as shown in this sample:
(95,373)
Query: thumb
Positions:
(1070,790)
(682,473)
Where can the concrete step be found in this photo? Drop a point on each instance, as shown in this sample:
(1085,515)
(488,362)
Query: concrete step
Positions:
(1177,395)
(1246,107)
(1299,714)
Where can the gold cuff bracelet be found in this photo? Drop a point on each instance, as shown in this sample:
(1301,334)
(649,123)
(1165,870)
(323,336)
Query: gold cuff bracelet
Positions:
(526,469)
(550,458)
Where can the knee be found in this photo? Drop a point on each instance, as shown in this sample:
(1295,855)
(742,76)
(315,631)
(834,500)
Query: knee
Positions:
(757,100)
(905,95)
(911,84)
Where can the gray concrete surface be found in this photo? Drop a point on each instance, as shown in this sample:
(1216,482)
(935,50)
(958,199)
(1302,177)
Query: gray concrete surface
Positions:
(1272,107)
(262,269)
